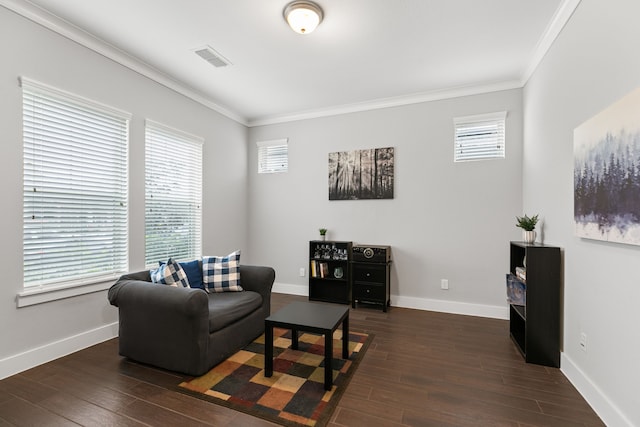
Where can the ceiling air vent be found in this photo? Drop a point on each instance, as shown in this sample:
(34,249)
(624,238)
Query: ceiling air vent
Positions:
(212,57)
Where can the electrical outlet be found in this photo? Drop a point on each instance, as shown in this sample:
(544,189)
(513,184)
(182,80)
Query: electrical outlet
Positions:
(301,271)
(444,284)
(583,341)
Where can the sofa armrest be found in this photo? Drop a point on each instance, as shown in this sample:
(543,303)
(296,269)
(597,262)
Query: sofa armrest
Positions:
(258,279)
(161,325)
(134,292)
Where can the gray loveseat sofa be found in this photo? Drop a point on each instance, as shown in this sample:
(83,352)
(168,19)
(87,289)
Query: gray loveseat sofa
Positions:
(185,329)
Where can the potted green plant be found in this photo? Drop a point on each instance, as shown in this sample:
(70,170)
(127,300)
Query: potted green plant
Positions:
(323,233)
(528,225)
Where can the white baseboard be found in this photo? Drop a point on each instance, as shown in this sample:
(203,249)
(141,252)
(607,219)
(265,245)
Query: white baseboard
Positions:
(453,307)
(286,288)
(606,410)
(37,356)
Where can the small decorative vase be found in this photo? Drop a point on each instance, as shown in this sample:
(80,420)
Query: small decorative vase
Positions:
(323,237)
(529,236)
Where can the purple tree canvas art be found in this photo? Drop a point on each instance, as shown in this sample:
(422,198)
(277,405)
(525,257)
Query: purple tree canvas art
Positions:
(607,173)
(361,174)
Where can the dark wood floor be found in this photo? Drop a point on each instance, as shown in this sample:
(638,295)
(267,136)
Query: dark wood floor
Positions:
(422,369)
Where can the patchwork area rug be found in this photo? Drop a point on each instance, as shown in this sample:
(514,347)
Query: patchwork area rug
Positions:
(295,394)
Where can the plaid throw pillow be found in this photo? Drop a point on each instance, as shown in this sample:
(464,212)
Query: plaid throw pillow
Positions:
(171,274)
(222,274)
(193,270)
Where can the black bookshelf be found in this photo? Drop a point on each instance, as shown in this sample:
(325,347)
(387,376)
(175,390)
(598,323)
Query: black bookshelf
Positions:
(330,271)
(535,326)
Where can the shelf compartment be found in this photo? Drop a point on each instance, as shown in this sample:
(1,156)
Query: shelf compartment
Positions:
(518,327)
(520,310)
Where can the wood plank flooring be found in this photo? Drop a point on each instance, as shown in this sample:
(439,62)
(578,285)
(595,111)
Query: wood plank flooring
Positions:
(422,369)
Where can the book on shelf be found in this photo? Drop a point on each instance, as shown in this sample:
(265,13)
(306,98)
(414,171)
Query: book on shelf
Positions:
(324,270)
(314,268)
(521,273)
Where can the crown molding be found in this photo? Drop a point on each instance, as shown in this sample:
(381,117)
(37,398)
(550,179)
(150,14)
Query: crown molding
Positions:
(555,26)
(377,104)
(65,29)
(558,21)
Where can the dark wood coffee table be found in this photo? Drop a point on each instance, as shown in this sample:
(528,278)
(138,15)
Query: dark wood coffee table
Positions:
(316,318)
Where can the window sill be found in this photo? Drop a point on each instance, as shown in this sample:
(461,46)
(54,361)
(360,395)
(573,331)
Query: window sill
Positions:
(43,294)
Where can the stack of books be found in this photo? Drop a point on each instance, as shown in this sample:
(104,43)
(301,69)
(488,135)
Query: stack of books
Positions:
(319,269)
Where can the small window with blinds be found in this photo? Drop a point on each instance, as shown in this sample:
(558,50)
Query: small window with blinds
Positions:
(75,189)
(173,194)
(479,137)
(273,156)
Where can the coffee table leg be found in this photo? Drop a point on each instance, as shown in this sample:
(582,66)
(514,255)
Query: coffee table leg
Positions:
(268,350)
(294,339)
(345,338)
(328,360)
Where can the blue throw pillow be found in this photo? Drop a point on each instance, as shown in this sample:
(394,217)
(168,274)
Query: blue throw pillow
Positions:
(222,274)
(170,274)
(194,273)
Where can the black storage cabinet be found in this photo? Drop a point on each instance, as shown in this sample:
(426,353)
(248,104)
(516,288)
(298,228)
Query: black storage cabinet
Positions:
(371,275)
(535,326)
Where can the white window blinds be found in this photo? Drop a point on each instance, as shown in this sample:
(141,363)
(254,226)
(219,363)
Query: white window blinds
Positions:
(479,137)
(273,156)
(75,188)
(173,194)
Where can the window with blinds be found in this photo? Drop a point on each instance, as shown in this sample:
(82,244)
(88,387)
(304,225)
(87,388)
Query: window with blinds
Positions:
(273,156)
(173,194)
(75,188)
(480,137)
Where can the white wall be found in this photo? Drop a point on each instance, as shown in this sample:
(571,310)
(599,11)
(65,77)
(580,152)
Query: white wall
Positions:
(451,221)
(593,63)
(34,334)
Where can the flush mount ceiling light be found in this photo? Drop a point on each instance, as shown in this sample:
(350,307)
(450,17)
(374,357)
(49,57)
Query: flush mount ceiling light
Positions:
(303,16)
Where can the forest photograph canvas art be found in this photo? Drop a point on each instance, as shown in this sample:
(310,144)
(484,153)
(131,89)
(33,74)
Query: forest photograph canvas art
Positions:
(607,173)
(361,174)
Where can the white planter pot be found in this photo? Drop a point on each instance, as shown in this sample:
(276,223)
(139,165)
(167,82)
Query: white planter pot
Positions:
(529,236)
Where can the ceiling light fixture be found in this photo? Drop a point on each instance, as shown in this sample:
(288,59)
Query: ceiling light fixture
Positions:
(303,16)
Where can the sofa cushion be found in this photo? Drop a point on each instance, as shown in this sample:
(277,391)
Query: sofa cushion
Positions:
(228,307)
(222,274)
(171,274)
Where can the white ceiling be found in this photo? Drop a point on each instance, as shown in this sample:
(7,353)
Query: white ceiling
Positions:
(365,54)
